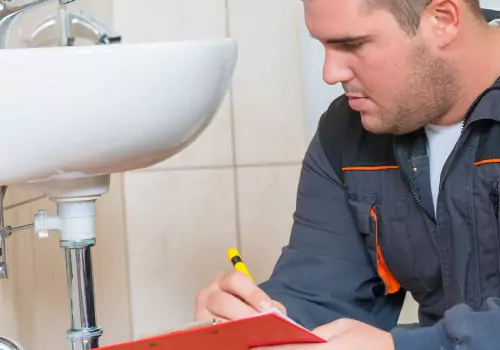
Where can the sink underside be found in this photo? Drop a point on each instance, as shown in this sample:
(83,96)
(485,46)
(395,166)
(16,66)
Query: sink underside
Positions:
(76,112)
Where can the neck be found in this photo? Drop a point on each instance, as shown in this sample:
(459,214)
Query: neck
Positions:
(478,68)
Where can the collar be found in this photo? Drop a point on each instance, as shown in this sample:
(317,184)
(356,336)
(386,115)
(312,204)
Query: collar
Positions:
(486,106)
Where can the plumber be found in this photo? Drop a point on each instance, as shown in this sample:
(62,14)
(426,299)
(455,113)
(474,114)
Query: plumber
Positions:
(399,190)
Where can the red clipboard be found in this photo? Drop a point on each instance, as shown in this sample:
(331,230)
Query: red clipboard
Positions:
(262,330)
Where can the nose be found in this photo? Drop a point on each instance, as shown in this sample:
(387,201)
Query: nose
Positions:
(335,69)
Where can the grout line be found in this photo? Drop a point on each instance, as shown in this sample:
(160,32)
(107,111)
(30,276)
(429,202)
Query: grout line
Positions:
(28,201)
(187,168)
(233,143)
(215,167)
(126,245)
(270,164)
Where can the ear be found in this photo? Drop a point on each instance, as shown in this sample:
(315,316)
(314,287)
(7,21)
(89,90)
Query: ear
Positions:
(443,19)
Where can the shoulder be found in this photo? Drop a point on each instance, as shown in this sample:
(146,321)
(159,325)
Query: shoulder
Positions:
(338,120)
(345,141)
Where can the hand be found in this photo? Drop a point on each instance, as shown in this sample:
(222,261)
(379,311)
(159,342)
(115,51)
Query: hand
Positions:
(344,334)
(232,296)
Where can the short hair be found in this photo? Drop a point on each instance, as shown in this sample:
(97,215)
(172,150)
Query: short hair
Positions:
(408,12)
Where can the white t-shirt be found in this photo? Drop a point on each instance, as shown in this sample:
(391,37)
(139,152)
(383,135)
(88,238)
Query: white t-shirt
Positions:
(440,142)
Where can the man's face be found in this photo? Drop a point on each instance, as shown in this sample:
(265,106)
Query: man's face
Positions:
(398,83)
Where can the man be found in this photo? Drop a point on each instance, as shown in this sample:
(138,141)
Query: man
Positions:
(399,188)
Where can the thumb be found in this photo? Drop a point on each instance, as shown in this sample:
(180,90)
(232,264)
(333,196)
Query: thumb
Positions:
(333,329)
(279,306)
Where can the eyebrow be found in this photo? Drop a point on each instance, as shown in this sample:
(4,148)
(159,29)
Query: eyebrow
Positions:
(346,39)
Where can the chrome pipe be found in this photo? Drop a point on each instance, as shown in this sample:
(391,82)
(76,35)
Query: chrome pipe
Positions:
(84,333)
(7,344)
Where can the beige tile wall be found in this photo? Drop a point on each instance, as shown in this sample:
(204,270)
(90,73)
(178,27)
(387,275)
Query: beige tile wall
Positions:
(236,184)
(163,232)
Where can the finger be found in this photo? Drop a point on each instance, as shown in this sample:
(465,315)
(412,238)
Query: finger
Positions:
(201,311)
(203,315)
(227,306)
(333,329)
(241,286)
(279,306)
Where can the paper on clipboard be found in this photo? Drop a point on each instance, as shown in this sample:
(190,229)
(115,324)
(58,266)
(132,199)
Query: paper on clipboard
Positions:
(264,329)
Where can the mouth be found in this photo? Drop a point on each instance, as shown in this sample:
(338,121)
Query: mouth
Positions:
(357,102)
(350,96)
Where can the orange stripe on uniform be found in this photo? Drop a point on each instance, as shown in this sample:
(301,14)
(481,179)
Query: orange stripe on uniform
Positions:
(368,168)
(392,285)
(487,161)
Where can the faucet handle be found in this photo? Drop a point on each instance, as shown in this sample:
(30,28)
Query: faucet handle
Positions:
(106,39)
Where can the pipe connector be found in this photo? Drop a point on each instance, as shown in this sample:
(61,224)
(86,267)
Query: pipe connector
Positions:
(44,223)
(75,221)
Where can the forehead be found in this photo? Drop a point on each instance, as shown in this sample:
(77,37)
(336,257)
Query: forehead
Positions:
(332,18)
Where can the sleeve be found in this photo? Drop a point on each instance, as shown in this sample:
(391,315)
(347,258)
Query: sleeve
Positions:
(324,272)
(462,328)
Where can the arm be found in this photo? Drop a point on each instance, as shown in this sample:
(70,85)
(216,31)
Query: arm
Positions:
(462,328)
(324,273)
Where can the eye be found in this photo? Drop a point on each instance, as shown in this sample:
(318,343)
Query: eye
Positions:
(352,46)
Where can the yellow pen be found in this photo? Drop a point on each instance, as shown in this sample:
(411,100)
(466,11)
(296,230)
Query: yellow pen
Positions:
(238,264)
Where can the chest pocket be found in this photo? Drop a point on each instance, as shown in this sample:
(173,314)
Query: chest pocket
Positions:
(366,215)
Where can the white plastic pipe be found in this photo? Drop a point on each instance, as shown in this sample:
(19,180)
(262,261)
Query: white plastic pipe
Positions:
(75,220)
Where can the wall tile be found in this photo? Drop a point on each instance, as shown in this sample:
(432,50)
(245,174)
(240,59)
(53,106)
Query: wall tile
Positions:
(166,20)
(266,206)
(22,273)
(16,195)
(111,266)
(179,226)
(159,20)
(8,291)
(268,112)
(50,296)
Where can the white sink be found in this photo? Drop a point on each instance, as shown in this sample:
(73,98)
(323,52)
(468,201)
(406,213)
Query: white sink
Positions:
(72,115)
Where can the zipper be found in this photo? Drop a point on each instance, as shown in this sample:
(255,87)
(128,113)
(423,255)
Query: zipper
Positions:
(467,116)
(417,198)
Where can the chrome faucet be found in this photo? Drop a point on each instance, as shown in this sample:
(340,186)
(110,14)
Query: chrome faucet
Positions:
(9,14)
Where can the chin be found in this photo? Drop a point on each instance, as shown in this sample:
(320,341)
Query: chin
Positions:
(373,123)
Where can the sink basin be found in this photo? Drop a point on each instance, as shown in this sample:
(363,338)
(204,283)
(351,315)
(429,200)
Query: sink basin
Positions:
(73,115)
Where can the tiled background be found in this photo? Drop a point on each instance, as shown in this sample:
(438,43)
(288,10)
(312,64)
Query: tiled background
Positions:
(235,185)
